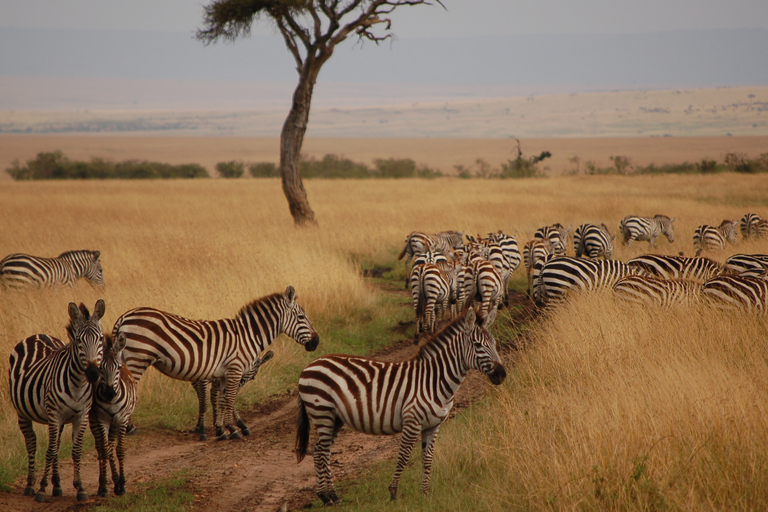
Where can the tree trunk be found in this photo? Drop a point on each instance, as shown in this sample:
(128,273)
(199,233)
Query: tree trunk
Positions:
(291,140)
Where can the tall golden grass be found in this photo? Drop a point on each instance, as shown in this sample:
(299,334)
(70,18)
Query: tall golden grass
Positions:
(203,249)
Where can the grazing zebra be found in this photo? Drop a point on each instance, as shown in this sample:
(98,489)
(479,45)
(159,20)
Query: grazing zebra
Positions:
(654,290)
(562,275)
(217,390)
(557,236)
(52,383)
(483,284)
(676,267)
(594,241)
(535,251)
(418,242)
(431,292)
(24,271)
(741,263)
(737,292)
(195,350)
(512,258)
(753,226)
(377,397)
(710,238)
(114,401)
(634,228)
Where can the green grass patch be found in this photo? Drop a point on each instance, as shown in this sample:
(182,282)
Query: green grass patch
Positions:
(172,495)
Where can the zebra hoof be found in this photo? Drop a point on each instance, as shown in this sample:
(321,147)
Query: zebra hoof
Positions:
(203,437)
(245,431)
(222,437)
(131,430)
(119,491)
(235,435)
(40,497)
(82,496)
(102,492)
(58,491)
(29,491)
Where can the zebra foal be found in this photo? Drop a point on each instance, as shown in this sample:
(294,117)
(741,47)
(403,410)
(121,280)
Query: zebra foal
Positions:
(24,271)
(710,238)
(52,383)
(376,397)
(196,350)
(114,401)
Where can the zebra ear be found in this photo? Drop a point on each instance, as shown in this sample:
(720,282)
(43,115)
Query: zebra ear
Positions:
(119,343)
(74,312)
(96,255)
(469,320)
(98,310)
(290,295)
(490,318)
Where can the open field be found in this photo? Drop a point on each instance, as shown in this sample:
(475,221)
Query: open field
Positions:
(606,407)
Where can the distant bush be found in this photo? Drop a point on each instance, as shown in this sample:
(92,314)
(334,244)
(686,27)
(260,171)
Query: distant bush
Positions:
(264,170)
(395,168)
(738,162)
(332,166)
(55,166)
(231,169)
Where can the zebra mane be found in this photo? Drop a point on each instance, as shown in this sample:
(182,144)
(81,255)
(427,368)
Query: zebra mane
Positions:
(273,297)
(434,338)
(72,327)
(74,253)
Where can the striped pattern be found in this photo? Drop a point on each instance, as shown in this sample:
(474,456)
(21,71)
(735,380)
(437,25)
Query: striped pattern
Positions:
(557,236)
(535,251)
(52,383)
(737,293)
(634,228)
(195,350)
(483,284)
(376,397)
(114,401)
(753,263)
(561,276)
(710,238)
(511,258)
(676,267)
(753,226)
(418,242)
(654,290)
(23,271)
(431,293)
(593,241)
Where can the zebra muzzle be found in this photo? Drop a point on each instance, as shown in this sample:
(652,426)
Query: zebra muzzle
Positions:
(92,372)
(311,345)
(498,374)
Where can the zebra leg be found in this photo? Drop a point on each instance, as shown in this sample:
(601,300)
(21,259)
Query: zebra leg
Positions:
(217,404)
(411,430)
(430,314)
(232,385)
(102,448)
(78,430)
(202,404)
(326,435)
(120,449)
(240,424)
(428,437)
(55,477)
(30,441)
(50,456)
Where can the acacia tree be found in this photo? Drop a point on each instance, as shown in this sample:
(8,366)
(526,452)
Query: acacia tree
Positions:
(311,30)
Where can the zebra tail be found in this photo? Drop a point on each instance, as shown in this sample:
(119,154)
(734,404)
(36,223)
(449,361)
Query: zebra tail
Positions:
(302,434)
(402,253)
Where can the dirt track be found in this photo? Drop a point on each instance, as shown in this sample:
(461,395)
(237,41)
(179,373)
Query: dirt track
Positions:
(257,473)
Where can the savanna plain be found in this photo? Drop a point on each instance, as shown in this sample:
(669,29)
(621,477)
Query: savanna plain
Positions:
(606,406)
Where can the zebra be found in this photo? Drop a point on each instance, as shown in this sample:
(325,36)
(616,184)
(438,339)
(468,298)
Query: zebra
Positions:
(753,226)
(482,283)
(753,263)
(737,292)
(418,242)
(634,228)
(557,236)
(511,258)
(676,267)
(52,383)
(377,397)
(534,251)
(710,238)
(654,290)
(594,241)
(562,275)
(431,292)
(195,350)
(217,391)
(114,401)
(23,271)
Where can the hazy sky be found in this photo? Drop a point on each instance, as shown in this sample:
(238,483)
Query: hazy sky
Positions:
(462,17)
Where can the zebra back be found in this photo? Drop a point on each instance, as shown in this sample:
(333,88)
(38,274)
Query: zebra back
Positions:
(737,293)
(24,271)
(594,241)
(740,263)
(710,238)
(634,228)
(676,267)
(557,236)
(662,292)
(561,276)
(750,225)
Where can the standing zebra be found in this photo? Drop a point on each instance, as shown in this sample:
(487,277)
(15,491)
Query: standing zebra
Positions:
(634,228)
(594,241)
(52,383)
(418,242)
(676,267)
(562,275)
(753,226)
(195,350)
(710,238)
(114,401)
(534,251)
(482,283)
(24,271)
(654,290)
(753,263)
(737,292)
(557,236)
(431,292)
(377,397)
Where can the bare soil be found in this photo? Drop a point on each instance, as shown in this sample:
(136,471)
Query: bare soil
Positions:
(259,472)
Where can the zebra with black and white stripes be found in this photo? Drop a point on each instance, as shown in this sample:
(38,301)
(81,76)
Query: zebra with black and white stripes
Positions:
(747,263)
(753,225)
(376,397)
(195,350)
(634,228)
(557,236)
(741,293)
(431,293)
(114,401)
(710,238)
(653,290)
(535,251)
(483,284)
(418,242)
(561,276)
(52,383)
(593,241)
(24,271)
(697,269)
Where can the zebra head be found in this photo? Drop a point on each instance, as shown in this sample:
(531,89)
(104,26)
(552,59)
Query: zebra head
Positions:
(93,271)
(87,337)
(666,226)
(111,367)
(482,354)
(296,324)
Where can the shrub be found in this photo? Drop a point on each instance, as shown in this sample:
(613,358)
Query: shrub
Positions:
(518,168)
(231,169)
(395,168)
(332,166)
(264,170)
